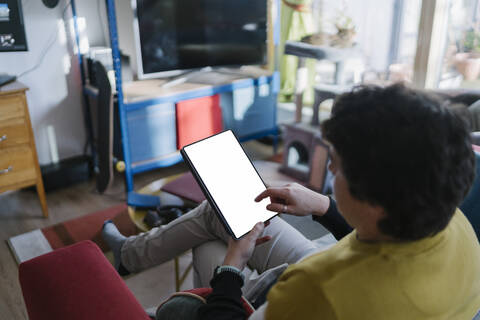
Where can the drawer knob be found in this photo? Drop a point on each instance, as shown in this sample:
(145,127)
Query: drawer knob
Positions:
(10,168)
(3,138)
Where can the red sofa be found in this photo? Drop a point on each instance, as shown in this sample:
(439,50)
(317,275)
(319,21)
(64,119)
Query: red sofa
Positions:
(90,287)
(77,282)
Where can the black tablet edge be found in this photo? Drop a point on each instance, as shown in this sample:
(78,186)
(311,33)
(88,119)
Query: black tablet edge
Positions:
(204,188)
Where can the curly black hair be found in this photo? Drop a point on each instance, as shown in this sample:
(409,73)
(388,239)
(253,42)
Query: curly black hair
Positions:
(401,150)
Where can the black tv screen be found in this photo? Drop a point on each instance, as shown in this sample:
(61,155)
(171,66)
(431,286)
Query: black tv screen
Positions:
(189,34)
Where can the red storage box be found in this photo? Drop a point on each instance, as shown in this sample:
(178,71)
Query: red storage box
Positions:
(198,119)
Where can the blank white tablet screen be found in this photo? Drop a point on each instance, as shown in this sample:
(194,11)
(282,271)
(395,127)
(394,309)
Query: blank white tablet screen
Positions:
(231,180)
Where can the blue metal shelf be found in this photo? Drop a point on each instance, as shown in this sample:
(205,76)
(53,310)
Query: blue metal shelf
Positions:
(112,23)
(131,169)
(258,135)
(198,93)
(155,164)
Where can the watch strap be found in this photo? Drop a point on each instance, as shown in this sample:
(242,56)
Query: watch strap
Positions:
(232,269)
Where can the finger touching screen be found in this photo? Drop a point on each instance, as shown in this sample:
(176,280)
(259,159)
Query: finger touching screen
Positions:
(229,181)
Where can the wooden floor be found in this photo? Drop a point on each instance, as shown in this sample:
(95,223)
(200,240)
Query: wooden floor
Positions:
(20,212)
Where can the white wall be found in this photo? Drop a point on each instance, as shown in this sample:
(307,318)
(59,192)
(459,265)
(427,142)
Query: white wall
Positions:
(54,96)
(97,25)
(94,13)
(125,31)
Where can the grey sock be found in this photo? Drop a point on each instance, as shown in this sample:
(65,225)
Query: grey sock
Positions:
(115,241)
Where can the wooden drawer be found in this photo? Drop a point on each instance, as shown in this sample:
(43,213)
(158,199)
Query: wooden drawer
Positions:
(20,161)
(13,132)
(11,106)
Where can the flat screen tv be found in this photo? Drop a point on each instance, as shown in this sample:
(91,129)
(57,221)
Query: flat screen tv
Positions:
(173,36)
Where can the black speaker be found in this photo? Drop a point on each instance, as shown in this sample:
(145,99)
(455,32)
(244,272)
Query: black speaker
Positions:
(66,173)
(50,3)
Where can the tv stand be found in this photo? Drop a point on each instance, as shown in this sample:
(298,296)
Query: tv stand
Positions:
(214,76)
(147,115)
(182,77)
(240,71)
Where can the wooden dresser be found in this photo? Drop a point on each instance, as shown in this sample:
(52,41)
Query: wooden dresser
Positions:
(18,156)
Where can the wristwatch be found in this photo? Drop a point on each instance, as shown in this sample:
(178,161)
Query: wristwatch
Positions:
(221,269)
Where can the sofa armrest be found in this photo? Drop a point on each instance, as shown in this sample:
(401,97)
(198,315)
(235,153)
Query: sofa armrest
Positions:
(76,282)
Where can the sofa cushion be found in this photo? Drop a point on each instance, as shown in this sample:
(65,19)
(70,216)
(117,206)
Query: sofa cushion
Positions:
(76,282)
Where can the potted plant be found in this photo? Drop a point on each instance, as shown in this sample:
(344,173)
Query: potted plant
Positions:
(468,60)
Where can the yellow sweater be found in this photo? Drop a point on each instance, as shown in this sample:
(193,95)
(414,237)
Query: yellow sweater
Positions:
(433,278)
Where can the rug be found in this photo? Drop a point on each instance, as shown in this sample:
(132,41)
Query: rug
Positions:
(186,187)
(88,227)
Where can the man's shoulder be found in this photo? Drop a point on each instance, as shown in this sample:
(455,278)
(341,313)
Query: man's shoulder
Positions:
(335,262)
(308,285)
(460,222)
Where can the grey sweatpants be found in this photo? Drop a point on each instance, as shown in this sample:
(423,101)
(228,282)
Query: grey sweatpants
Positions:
(201,231)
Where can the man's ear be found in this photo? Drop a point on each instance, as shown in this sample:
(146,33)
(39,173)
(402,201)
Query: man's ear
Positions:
(377,212)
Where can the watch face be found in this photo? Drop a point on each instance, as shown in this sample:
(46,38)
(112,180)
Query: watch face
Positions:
(223,268)
(231,269)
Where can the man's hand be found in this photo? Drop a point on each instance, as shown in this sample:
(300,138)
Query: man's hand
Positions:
(240,251)
(295,199)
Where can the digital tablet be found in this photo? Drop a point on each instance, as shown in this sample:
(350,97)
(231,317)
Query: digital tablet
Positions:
(229,181)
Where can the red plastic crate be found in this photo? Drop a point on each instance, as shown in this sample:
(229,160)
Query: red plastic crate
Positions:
(198,119)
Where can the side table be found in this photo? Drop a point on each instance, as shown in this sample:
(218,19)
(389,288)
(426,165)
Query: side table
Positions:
(137,216)
(18,156)
(322,91)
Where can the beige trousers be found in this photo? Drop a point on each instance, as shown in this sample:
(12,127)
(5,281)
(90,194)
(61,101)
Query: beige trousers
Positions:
(201,230)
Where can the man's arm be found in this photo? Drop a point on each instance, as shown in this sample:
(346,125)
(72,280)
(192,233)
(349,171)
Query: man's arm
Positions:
(298,200)
(225,301)
(333,221)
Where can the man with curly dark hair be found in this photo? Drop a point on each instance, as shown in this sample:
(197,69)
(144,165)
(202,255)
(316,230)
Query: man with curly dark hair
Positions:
(402,151)
(402,165)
